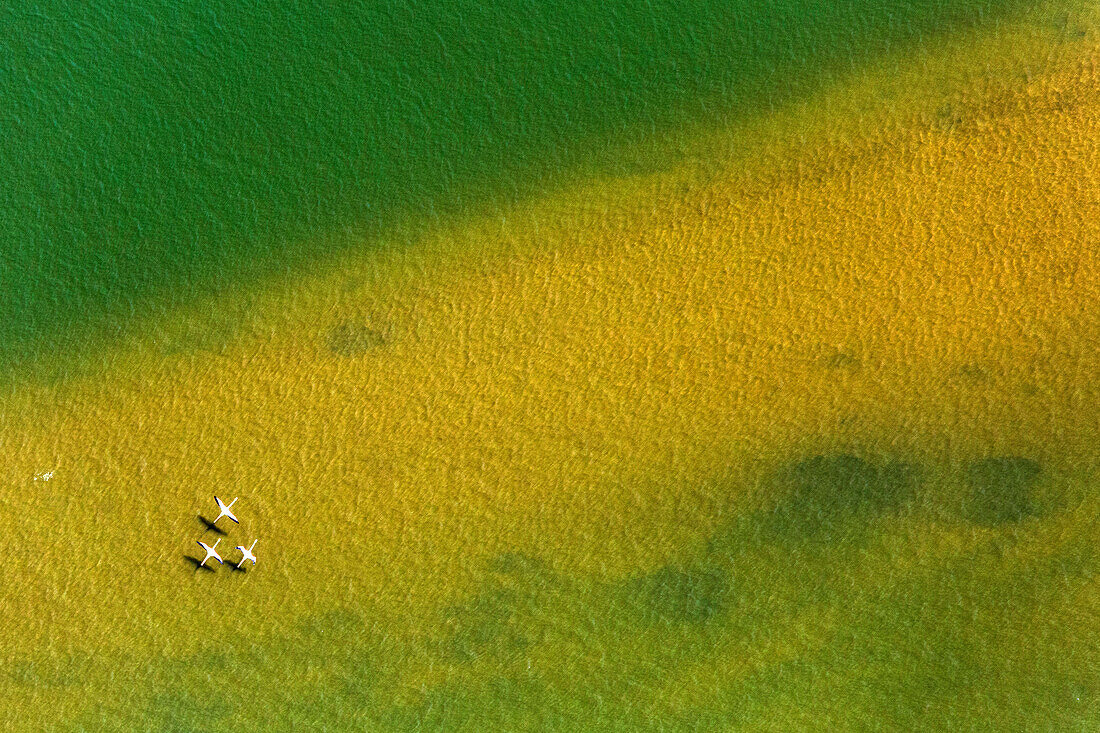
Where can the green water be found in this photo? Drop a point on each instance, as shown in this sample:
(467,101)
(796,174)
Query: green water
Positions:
(154,150)
(850,630)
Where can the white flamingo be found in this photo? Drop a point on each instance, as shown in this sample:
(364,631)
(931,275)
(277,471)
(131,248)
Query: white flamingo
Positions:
(210,552)
(225,510)
(247,553)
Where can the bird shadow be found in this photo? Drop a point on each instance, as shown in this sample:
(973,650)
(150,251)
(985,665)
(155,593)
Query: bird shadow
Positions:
(210,526)
(198,565)
(236,569)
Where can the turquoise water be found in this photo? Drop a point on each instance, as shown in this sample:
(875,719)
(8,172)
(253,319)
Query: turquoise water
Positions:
(155,150)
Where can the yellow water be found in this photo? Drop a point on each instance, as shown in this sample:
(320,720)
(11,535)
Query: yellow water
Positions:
(905,264)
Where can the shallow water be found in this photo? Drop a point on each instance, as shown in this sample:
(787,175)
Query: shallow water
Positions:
(964,628)
(802,439)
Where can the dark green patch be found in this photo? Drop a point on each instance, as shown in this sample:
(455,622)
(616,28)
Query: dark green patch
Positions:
(841,360)
(678,596)
(486,625)
(1001,490)
(973,374)
(353,339)
(824,495)
(504,616)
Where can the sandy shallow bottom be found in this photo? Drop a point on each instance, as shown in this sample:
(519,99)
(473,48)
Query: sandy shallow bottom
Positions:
(799,438)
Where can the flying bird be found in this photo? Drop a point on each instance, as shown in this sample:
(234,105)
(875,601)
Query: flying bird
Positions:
(210,552)
(247,553)
(225,510)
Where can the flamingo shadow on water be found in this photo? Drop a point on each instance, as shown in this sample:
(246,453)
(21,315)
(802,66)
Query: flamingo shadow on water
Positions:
(210,526)
(197,564)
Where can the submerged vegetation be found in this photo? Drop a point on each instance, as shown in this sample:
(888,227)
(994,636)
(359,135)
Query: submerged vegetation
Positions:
(1000,489)
(745,630)
(673,595)
(825,495)
(617,482)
